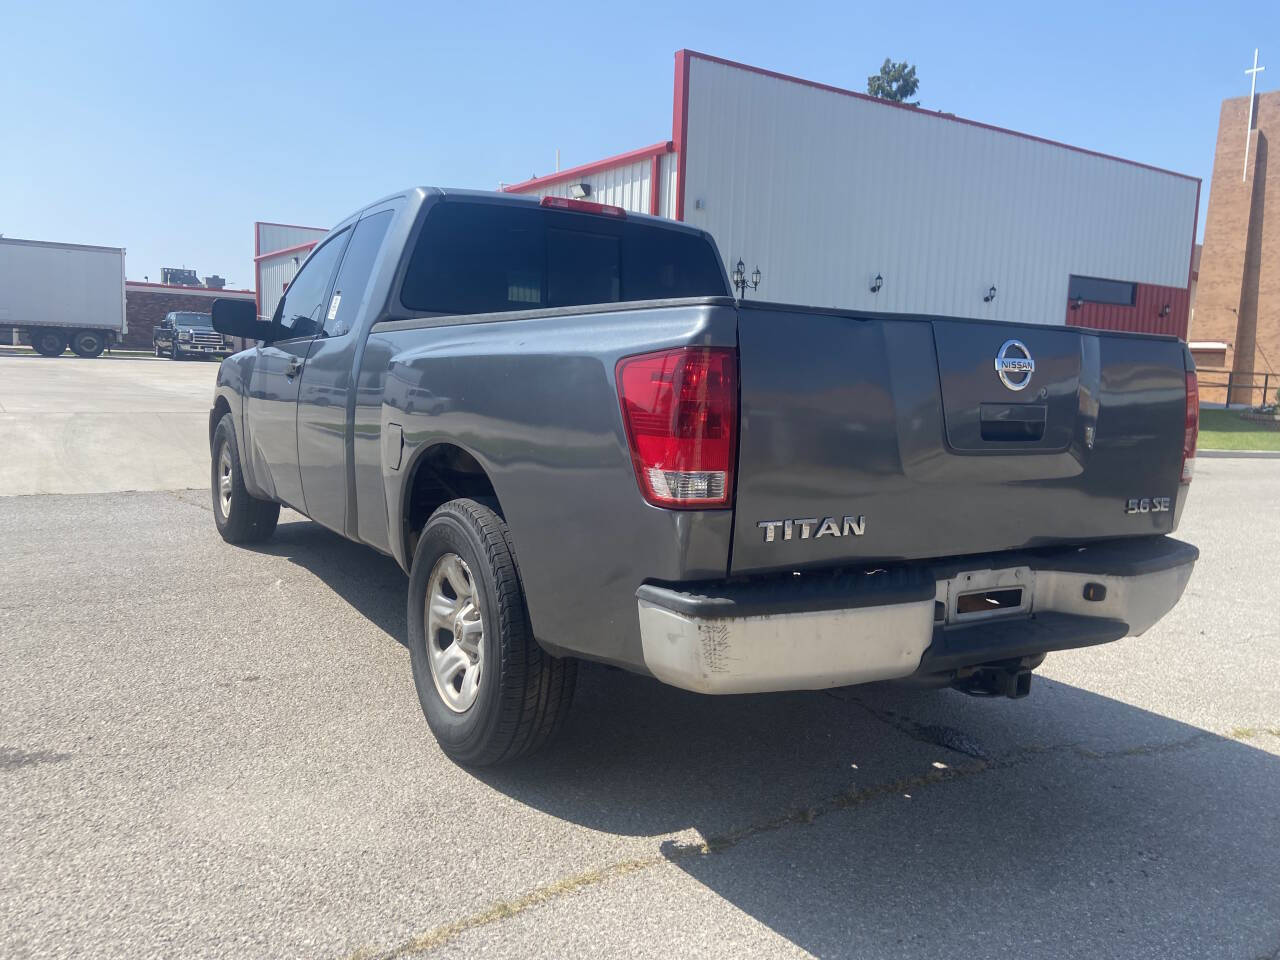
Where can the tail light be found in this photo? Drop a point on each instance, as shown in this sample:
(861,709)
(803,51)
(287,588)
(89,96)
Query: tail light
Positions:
(583,206)
(680,410)
(1192,431)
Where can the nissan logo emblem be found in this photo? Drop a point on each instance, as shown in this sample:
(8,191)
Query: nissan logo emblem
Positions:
(1014,365)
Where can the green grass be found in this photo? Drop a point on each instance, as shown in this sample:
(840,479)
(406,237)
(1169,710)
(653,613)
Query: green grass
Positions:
(1225,430)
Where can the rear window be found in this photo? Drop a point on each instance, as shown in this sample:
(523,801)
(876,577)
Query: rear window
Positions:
(490,258)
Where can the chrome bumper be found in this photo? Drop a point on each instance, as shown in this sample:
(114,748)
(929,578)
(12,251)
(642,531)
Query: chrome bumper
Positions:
(830,630)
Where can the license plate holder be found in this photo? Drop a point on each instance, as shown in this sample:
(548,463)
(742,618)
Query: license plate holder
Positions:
(973,595)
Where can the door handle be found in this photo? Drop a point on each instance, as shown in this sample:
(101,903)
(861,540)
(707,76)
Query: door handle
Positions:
(294,368)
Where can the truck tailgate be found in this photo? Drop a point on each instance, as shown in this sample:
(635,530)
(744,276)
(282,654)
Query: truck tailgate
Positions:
(903,426)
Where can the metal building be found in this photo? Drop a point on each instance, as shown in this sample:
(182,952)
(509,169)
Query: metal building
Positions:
(843,200)
(278,251)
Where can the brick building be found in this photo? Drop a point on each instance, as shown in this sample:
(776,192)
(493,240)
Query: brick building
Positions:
(1237,310)
(147,303)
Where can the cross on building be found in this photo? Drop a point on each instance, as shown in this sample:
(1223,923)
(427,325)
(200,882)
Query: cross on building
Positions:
(1248,123)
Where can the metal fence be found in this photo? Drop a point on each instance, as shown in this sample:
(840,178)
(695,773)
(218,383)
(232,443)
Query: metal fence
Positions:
(1236,388)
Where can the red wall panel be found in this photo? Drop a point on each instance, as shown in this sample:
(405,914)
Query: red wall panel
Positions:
(1143,316)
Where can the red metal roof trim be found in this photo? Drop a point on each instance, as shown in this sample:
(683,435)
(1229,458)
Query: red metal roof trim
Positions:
(621,159)
(680,125)
(296,248)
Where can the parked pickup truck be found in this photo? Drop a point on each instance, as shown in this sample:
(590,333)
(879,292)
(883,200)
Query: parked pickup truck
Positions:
(183,333)
(577,444)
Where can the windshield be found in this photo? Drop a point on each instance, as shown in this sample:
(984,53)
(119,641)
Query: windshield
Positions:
(193,320)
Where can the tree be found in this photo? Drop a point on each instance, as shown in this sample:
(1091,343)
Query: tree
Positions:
(895,81)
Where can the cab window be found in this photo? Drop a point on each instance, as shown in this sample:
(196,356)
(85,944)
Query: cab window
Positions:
(301,309)
(353,276)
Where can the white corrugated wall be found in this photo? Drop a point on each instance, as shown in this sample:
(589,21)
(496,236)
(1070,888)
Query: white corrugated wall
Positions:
(274,272)
(278,236)
(824,191)
(668,169)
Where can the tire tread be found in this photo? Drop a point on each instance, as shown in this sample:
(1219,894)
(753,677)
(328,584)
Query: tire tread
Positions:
(536,689)
(252,520)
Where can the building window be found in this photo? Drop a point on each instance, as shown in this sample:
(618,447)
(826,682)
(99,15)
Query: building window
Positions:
(1093,290)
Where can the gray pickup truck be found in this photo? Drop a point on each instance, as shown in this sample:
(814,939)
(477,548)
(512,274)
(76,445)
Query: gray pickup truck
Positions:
(577,444)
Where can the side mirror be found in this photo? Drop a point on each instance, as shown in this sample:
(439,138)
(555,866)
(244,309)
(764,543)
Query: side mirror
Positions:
(239,318)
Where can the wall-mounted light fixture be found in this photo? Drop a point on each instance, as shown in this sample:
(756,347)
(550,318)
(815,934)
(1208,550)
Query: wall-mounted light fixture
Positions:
(579,190)
(991,294)
(1165,310)
(1077,303)
(740,279)
(877,283)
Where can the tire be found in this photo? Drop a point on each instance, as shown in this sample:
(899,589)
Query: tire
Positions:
(174,352)
(240,516)
(88,343)
(48,342)
(157,349)
(519,694)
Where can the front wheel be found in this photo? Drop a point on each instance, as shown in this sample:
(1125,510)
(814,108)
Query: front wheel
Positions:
(240,516)
(174,352)
(48,343)
(490,693)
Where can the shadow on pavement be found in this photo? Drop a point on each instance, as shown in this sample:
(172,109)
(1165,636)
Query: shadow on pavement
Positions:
(889,821)
(885,821)
(371,582)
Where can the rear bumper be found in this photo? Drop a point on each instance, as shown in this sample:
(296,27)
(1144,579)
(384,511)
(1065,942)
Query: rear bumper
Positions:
(851,626)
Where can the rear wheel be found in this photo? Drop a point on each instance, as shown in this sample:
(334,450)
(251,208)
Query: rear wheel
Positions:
(240,516)
(490,693)
(48,343)
(88,343)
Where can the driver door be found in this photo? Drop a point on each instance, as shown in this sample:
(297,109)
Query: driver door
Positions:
(271,411)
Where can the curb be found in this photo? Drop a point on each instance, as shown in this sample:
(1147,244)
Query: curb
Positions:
(1239,454)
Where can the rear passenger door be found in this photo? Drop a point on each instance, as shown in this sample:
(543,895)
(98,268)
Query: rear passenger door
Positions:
(326,399)
(271,412)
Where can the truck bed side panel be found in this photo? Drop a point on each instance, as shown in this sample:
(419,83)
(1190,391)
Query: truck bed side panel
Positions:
(534,401)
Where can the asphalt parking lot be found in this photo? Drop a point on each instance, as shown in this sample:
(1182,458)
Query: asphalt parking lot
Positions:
(69,425)
(216,751)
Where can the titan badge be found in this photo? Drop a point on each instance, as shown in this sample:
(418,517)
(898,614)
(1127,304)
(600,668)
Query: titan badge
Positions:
(804,527)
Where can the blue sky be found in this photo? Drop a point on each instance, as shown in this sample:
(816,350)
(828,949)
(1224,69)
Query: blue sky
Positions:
(169,128)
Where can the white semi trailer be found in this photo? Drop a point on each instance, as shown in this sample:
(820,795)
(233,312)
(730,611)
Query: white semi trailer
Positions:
(62,295)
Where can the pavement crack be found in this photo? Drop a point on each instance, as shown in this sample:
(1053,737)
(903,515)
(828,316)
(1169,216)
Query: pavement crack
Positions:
(855,796)
(852,797)
(14,758)
(1252,733)
(200,505)
(670,852)
(438,936)
(934,735)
